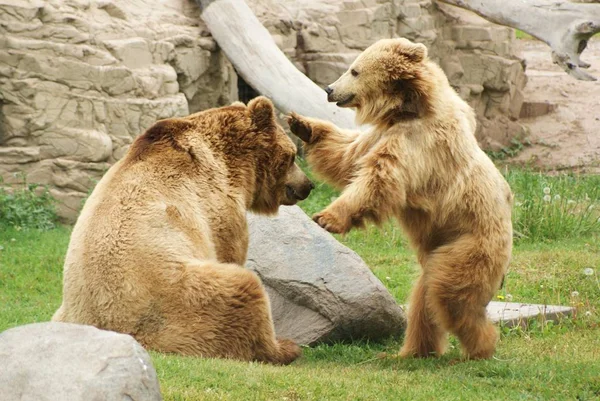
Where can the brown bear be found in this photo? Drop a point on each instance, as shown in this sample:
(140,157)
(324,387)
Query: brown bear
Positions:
(421,164)
(158,249)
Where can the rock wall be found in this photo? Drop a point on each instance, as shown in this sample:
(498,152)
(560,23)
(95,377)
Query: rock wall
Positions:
(80,79)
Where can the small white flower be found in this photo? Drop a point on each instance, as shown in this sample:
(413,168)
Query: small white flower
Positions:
(541,285)
(388,278)
(509,297)
(575,294)
(588,313)
(588,271)
(547,190)
(547,198)
(557,197)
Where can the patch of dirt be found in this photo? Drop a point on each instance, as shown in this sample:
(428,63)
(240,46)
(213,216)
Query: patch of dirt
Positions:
(569,136)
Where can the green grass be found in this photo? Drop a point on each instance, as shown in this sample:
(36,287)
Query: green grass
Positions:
(558,361)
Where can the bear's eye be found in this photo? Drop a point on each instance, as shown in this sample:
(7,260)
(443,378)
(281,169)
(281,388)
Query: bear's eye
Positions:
(354,72)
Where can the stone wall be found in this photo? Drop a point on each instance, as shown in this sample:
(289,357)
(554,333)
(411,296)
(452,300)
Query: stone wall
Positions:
(80,79)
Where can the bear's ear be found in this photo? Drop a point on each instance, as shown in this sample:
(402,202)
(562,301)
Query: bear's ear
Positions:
(262,113)
(169,131)
(415,52)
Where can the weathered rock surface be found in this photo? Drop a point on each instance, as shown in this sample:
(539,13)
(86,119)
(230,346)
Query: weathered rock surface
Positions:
(80,79)
(320,290)
(69,362)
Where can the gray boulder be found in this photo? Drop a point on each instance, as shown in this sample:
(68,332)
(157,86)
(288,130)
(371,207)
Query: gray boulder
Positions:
(320,290)
(70,362)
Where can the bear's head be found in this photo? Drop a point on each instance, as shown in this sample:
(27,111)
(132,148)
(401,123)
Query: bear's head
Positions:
(390,81)
(252,149)
(279,180)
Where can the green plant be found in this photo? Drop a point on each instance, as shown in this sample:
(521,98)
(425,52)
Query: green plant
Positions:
(550,207)
(515,147)
(27,205)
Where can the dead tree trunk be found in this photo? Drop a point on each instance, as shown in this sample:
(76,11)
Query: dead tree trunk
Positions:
(564,26)
(256,57)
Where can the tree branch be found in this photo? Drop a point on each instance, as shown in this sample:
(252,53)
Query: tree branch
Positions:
(566,27)
(256,57)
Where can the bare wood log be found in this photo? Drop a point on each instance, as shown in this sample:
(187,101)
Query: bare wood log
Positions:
(566,27)
(256,57)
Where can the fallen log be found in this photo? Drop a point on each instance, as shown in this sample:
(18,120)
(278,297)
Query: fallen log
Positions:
(256,57)
(564,26)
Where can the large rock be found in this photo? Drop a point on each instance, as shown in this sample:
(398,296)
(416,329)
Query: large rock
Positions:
(320,290)
(69,362)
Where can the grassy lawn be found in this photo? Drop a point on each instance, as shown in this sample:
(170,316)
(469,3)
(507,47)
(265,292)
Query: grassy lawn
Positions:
(558,240)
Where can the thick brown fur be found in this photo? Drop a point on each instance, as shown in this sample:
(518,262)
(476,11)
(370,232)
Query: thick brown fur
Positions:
(158,249)
(422,165)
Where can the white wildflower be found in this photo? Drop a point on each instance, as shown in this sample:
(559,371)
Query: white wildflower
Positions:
(588,313)
(388,278)
(588,271)
(575,294)
(557,197)
(509,297)
(547,198)
(547,190)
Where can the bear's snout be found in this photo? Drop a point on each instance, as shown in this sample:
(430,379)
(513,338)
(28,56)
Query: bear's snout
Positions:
(300,192)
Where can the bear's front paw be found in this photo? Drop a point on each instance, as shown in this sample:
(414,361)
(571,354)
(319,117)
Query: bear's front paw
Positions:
(331,222)
(300,127)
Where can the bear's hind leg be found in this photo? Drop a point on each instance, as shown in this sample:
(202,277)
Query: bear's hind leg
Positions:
(462,279)
(423,337)
(221,310)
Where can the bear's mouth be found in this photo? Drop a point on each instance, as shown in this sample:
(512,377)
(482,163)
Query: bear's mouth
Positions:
(346,101)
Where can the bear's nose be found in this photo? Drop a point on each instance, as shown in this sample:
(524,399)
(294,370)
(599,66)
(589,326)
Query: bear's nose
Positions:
(329,90)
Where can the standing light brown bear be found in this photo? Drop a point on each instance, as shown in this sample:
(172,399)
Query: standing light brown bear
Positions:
(158,249)
(422,165)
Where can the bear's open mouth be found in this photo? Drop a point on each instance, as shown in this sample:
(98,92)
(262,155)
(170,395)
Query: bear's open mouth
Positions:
(344,102)
(291,194)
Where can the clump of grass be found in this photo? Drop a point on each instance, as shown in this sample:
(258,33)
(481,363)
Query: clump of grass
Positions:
(27,205)
(551,207)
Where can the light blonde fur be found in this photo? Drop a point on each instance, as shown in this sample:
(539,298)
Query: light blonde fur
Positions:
(421,164)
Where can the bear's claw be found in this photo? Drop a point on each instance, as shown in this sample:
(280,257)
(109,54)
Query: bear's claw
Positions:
(330,223)
(300,127)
